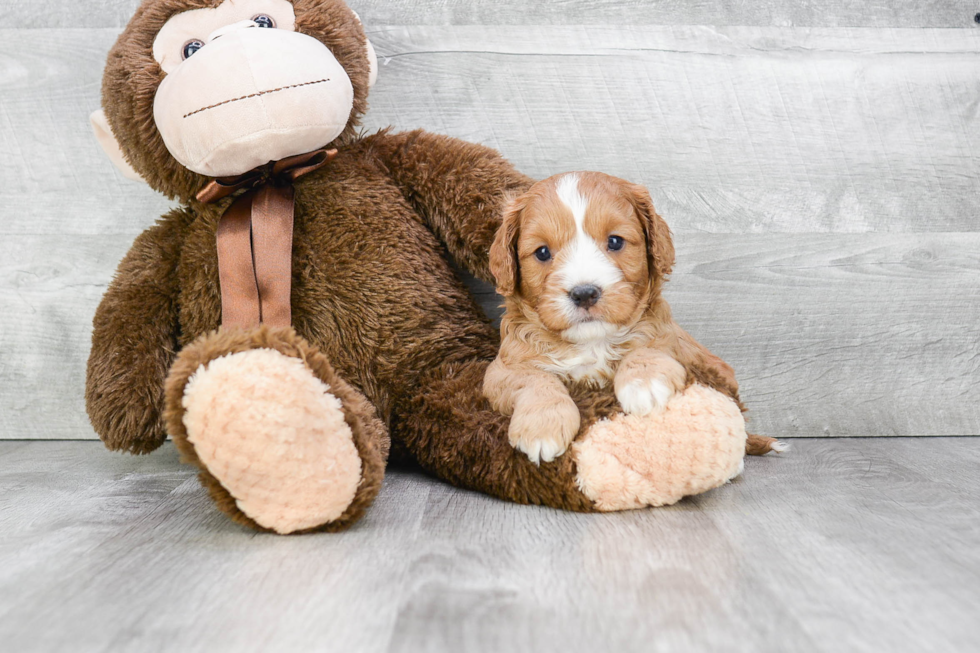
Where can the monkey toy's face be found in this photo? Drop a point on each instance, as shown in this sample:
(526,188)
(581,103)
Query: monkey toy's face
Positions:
(227,86)
(243,87)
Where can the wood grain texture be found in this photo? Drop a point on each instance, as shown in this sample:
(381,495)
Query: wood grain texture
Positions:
(838,545)
(49,289)
(785,13)
(830,334)
(55,178)
(735,130)
(822,184)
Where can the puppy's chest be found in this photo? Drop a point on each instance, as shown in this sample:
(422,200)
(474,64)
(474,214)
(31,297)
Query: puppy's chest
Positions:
(594,362)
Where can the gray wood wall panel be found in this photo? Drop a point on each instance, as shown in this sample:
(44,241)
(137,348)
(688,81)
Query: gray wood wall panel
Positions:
(785,13)
(830,334)
(734,129)
(822,185)
(55,177)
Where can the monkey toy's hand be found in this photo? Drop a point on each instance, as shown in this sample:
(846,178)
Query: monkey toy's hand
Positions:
(134,341)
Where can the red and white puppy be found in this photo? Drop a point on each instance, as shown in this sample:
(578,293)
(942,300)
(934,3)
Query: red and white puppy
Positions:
(580,260)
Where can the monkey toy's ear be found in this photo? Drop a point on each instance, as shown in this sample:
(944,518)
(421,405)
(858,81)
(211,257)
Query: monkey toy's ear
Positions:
(110,146)
(373,60)
(372,57)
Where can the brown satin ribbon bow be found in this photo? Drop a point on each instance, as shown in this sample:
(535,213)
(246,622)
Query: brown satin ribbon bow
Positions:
(255,240)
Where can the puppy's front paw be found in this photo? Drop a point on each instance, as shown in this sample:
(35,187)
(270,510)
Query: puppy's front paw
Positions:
(543,426)
(643,396)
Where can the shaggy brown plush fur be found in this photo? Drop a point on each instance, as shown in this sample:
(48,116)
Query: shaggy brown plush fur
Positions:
(455,434)
(378,312)
(134,342)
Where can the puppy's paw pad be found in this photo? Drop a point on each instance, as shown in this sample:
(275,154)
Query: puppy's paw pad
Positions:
(644,396)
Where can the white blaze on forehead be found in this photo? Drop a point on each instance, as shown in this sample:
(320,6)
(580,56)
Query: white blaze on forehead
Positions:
(570,197)
(585,264)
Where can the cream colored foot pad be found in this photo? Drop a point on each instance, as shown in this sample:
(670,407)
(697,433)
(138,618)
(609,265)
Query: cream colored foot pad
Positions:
(695,444)
(274,437)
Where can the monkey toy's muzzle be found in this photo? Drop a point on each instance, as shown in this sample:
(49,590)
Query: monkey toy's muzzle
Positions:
(249,97)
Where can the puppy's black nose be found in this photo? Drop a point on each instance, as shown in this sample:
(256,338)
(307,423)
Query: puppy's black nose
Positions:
(585,296)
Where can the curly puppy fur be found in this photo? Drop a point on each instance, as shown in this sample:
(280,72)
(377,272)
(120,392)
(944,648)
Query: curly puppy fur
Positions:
(571,216)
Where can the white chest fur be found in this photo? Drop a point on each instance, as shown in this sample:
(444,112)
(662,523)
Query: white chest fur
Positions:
(591,352)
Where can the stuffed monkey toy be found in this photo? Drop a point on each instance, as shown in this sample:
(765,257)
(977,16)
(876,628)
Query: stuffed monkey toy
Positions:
(297,319)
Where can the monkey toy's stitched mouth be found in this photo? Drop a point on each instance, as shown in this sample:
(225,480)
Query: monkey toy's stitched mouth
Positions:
(252,95)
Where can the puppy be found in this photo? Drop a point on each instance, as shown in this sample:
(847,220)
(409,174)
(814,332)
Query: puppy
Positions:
(580,260)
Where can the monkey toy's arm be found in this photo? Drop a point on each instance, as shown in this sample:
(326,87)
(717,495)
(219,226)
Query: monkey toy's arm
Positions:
(459,188)
(134,340)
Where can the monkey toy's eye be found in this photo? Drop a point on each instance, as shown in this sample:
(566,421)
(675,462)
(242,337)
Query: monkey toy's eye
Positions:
(615,243)
(191,47)
(263,20)
(542,253)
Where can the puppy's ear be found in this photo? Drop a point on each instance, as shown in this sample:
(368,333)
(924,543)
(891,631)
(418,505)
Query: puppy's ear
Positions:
(503,252)
(660,245)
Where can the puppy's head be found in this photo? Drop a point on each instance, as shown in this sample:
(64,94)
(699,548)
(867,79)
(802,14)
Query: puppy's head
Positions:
(582,248)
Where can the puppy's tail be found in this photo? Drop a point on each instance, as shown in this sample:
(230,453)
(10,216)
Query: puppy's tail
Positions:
(760,445)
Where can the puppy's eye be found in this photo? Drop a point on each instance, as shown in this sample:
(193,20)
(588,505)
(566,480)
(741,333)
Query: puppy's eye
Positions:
(191,47)
(262,20)
(615,243)
(542,253)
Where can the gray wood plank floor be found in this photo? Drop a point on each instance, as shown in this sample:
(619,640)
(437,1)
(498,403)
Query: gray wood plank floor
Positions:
(840,545)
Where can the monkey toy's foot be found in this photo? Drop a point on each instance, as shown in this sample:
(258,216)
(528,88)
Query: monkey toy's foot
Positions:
(695,444)
(283,443)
